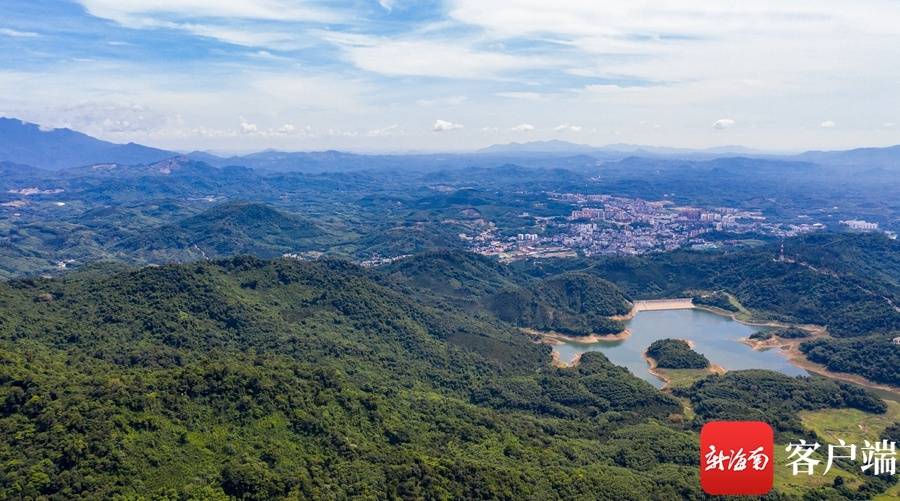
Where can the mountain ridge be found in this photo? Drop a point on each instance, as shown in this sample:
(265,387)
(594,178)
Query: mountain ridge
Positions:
(55,149)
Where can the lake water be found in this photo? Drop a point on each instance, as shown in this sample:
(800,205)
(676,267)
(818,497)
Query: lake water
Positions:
(713,335)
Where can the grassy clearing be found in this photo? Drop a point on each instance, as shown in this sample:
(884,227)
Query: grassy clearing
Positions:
(683,378)
(787,483)
(852,425)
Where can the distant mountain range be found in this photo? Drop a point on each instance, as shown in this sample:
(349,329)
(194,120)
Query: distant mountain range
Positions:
(556,146)
(56,149)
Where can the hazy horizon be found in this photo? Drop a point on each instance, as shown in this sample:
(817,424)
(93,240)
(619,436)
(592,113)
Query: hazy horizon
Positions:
(454,75)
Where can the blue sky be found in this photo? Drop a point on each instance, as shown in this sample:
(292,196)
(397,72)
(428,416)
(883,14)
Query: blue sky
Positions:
(399,75)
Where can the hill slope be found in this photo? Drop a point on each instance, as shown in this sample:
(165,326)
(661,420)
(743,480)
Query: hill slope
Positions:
(266,379)
(576,304)
(248,379)
(55,149)
(228,229)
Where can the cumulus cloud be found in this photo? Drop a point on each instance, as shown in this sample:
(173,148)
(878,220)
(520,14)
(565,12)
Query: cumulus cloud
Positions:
(247,127)
(390,130)
(889,125)
(522,128)
(723,123)
(107,117)
(827,124)
(568,128)
(443,125)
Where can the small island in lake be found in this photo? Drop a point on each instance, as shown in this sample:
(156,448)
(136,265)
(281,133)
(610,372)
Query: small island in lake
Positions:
(676,354)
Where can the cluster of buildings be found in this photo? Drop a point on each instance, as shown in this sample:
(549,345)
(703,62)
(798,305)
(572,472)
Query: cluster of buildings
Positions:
(609,225)
(856,224)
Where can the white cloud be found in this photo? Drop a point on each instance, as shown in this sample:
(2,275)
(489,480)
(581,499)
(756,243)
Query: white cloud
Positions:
(490,129)
(151,13)
(443,125)
(18,34)
(442,101)
(239,22)
(390,130)
(429,58)
(613,20)
(108,117)
(568,128)
(889,125)
(529,96)
(281,40)
(387,5)
(522,128)
(723,123)
(247,127)
(827,124)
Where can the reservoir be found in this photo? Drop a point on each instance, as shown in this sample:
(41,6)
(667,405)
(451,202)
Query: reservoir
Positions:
(717,337)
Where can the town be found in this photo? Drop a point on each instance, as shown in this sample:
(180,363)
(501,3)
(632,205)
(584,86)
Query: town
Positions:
(601,224)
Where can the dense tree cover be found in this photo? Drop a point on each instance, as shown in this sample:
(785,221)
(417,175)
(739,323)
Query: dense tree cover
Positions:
(773,397)
(783,333)
(876,357)
(225,230)
(791,333)
(762,335)
(848,304)
(571,303)
(593,387)
(451,272)
(868,259)
(676,354)
(255,380)
(718,300)
(584,294)
(892,433)
(259,380)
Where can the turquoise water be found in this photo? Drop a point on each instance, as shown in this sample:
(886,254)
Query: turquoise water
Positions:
(713,335)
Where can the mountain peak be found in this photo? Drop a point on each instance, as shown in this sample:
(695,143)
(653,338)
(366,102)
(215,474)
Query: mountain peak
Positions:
(549,146)
(54,149)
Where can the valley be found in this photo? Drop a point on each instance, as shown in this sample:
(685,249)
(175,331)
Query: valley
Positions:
(222,332)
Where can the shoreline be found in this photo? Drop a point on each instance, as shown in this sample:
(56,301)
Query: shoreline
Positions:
(788,348)
(667,381)
(555,338)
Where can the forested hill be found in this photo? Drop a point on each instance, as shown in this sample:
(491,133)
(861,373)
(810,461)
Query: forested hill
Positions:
(570,303)
(224,230)
(577,304)
(261,379)
(452,273)
(846,283)
(250,379)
